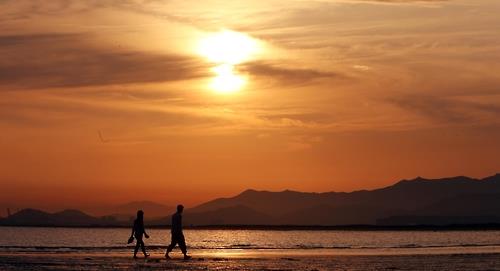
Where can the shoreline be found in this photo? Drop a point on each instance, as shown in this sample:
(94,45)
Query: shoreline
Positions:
(273,253)
(483,261)
(458,227)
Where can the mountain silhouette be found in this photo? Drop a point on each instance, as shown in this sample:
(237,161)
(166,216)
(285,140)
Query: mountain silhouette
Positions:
(440,220)
(270,203)
(152,209)
(408,197)
(239,215)
(33,217)
(457,200)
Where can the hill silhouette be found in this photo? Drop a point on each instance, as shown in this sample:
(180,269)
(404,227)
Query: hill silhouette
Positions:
(127,212)
(33,217)
(457,200)
(408,197)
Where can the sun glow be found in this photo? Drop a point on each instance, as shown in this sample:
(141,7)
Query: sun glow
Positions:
(226,49)
(226,79)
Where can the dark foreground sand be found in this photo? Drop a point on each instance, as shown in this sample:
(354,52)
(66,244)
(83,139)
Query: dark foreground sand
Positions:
(487,261)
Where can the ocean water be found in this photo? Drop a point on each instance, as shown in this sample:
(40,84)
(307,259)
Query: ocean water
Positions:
(246,242)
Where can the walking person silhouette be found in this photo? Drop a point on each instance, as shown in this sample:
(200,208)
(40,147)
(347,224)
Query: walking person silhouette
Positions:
(177,235)
(138,231)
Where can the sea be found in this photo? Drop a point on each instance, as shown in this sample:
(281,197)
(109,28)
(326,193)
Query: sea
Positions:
(241,242)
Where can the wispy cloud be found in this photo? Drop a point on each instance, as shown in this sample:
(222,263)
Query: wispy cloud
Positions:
(64,60)
(286,76)
(449,110)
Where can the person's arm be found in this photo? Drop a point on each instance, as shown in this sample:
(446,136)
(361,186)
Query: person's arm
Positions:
(133,230)
(176,225)
(145,234)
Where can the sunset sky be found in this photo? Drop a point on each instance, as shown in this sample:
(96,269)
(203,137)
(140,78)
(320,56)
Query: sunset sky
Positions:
(107,101)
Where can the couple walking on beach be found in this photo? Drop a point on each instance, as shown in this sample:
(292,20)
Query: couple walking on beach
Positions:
(138,231)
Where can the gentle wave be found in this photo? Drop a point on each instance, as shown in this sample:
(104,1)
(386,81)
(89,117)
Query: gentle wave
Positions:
(232,247)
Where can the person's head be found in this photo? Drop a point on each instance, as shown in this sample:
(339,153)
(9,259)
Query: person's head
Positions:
(180,208)
(140,215)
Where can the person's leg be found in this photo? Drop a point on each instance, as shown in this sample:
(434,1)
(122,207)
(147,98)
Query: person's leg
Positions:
(182,245)
(143,248)
(137,244)
(170,247)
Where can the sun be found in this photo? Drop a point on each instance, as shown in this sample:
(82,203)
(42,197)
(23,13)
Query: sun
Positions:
(228,47)
(225,50)
(226,80)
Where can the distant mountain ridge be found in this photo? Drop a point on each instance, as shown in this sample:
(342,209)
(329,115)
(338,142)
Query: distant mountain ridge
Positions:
(456,200)
(152,209)
(33,217)
(407,197)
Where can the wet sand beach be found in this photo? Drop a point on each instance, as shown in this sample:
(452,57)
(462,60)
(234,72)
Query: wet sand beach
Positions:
(71,261)
(104,249)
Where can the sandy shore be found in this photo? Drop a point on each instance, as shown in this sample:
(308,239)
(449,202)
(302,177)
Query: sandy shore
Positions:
(33,261)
